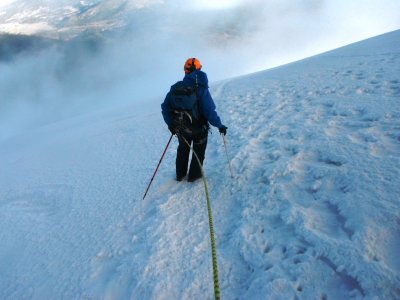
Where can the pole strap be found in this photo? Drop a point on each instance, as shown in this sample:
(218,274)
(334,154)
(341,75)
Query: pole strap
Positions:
(217,291)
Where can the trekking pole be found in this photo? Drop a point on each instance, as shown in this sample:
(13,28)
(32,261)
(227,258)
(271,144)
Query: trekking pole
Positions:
(227,156)
(151,181)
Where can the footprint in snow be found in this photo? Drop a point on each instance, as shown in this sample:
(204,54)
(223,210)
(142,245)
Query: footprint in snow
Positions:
(331,160)
(359,76)
(348,281)
(327,220)
(394,90)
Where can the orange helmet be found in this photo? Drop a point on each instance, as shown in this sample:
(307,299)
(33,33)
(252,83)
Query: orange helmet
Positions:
(192,64)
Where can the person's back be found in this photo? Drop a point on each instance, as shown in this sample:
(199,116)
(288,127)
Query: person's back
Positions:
(191,124)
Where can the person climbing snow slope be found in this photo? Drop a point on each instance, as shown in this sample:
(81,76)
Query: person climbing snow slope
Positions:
(188,109)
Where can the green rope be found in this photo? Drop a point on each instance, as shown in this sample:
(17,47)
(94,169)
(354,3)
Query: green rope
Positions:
(217,291)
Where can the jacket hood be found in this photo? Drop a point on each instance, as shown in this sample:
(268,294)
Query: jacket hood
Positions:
(202,79)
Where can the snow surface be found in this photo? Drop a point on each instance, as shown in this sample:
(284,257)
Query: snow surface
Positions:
(313,210)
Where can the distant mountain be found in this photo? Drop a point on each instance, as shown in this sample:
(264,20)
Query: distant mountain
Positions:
(68,18)
(31,26)
(12,45)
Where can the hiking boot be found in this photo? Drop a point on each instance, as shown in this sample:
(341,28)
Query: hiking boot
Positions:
(193,179)
(180,178)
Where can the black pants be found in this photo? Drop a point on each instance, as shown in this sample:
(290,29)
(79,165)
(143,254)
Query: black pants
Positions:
(199,141)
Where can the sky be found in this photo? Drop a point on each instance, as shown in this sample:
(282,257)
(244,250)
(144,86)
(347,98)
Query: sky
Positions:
(5,2)
(277,32)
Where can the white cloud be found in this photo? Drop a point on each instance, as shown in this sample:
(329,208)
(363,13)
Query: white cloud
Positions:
(145,3)
(6,2)
(215,4)
(25,28)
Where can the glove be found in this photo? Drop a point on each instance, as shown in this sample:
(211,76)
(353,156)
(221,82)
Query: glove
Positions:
(172,129)
(222,130)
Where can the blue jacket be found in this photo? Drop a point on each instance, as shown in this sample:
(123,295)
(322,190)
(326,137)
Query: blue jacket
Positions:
(206,103)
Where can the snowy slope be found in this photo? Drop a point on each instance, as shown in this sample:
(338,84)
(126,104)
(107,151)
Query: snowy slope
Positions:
(311,213)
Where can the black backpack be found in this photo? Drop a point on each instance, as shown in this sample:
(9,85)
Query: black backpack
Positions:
(184,107)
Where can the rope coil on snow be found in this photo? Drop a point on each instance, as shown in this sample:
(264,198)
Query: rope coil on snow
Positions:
(217,291)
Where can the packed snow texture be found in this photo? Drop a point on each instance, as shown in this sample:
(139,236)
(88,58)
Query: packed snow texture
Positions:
(313,210)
